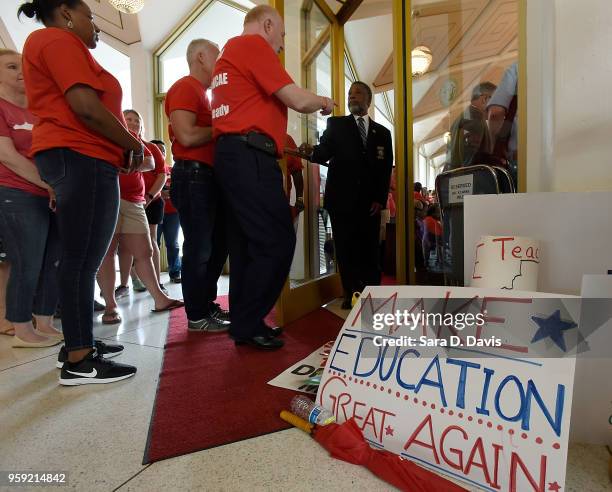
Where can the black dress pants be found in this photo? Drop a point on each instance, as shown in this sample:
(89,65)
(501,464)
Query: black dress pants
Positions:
(261,237)
(356,235)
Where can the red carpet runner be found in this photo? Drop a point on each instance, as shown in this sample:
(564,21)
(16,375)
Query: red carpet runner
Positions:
(212,393)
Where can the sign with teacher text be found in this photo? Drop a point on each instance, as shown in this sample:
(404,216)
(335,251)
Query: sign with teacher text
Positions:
(472,383)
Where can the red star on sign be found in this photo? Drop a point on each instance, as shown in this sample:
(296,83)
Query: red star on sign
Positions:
(554,487)
(389,431)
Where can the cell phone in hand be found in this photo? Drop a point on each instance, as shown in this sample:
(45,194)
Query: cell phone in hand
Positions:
(128,156)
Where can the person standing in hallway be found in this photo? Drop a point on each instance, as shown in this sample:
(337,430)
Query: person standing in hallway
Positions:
(359,154)
(170,225)
(251,93)
(79,144)
(194,191)
(154,181)
(27,220)
(503,120)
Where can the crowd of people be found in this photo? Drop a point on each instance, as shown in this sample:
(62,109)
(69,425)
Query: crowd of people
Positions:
(79,185)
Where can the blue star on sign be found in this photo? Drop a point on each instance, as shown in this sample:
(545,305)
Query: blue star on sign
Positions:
(552,327)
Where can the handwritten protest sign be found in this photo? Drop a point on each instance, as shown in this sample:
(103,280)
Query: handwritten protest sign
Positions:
(506,262)
(473,383)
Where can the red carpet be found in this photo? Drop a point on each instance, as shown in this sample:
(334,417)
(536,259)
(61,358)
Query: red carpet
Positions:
(212,393)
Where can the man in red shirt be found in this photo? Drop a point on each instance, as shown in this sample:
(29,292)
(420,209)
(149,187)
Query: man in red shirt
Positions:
(251,93)
(194,191)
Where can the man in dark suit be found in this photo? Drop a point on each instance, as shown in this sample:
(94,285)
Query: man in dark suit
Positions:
(359,154)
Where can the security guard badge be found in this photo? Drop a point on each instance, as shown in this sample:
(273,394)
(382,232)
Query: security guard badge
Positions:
(380,152)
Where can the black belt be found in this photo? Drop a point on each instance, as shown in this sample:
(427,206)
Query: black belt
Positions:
(188,165)
(255,140)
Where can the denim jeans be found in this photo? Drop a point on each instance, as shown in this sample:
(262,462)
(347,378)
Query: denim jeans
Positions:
(87,191)
(194,194)
(30,236)
(170,229)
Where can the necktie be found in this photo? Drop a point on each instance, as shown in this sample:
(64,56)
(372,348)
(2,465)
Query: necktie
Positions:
(362,131)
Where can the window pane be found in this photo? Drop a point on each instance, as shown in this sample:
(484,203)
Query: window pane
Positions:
(464,68)
(217,23)
(118,64)
(316,23)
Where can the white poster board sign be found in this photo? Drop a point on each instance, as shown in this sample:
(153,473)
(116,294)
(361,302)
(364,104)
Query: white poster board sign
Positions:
(460,186)
(592,407)
(297,376)
(487,403)
(506,262)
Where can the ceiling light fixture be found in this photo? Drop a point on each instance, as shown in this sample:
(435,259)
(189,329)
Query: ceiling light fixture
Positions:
(421,60)
(127,6)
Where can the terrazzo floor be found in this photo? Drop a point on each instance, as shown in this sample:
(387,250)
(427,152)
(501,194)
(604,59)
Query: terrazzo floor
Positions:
(97,434)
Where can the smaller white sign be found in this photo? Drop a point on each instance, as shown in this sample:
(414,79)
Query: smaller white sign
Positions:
(298,375)
(459,187)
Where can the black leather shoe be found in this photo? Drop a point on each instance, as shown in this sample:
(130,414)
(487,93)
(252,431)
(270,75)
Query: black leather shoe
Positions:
(260,342)
(277,331)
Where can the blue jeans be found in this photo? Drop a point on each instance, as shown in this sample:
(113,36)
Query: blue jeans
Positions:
(30,236)
(194,194)
(87,191)
(170,229)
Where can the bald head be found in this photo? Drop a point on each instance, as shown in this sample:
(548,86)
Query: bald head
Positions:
(268,23)
(260,13)
(202,50)
(201,57)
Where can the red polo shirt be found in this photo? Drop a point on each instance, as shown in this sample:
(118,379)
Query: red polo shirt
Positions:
(188,94)
(245,78)
(55,60)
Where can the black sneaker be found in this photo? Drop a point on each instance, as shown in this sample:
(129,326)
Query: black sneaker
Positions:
(208,324)
(94,369)
(217,312)
(106,350)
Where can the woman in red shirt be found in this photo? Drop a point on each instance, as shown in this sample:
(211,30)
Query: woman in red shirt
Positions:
(154,181)
(79,144)
(132,234)
(27,221)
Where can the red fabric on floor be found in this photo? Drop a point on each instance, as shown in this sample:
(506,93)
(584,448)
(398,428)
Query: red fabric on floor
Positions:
(212,393)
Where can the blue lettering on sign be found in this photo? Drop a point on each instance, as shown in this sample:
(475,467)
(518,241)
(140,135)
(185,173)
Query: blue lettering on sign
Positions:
(503,396)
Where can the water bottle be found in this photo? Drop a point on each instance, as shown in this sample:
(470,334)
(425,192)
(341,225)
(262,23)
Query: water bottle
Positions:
(305,408)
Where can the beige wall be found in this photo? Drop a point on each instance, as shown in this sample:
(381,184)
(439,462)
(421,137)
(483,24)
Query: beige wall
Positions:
(569,100)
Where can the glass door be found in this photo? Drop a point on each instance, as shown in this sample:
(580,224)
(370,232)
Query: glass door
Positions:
(313,279)
(464,114)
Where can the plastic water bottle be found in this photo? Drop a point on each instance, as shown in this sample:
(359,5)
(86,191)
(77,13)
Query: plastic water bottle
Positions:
(305,408)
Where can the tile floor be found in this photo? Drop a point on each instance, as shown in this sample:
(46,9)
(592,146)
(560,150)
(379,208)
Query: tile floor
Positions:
(97,434)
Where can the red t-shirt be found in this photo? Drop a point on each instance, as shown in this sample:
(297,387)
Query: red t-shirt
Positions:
(168,206)
(432,225)
(150,177)
(55,60)
(132,186)
(293,163)
(245,78)
(188,94)
(16,123)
